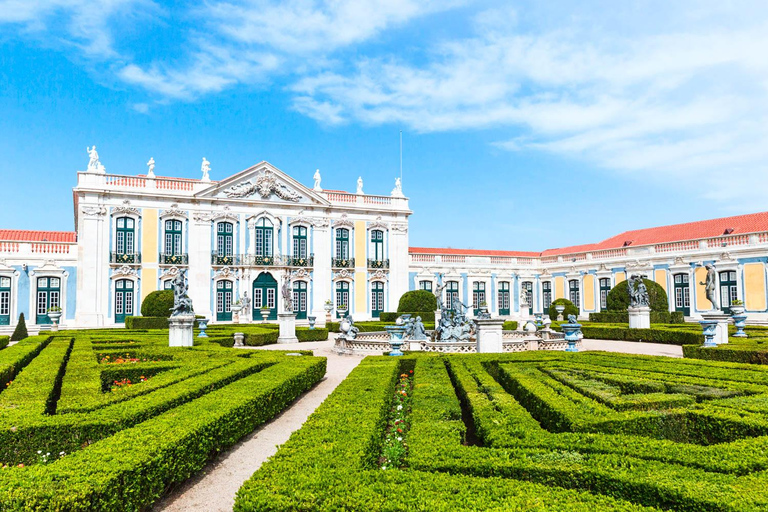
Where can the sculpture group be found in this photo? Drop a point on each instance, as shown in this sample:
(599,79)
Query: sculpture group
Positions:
(182,304)
(638,292)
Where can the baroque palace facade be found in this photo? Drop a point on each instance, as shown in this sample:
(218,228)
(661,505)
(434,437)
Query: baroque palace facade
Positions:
(239,238)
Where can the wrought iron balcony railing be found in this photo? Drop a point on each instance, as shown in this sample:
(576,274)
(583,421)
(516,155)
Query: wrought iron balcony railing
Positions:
(225,261)
(174,259)
(117,257)
(343,262)
(300,262)
(260,261)
(378,263)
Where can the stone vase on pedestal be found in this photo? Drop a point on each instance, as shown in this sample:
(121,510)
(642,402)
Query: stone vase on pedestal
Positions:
(395,338)
(572,335)
(287,324)
(639,317)
(180,331)
(489,337)
(721,331)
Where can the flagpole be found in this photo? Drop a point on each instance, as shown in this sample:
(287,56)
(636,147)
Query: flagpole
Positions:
(401,155)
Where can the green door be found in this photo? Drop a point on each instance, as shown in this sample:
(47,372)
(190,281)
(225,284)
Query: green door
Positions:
(224,301)
(377,299)
(728,290)
(682,294)
(123,300)
(527,288)
(504,298)
(605,287)
(48,296)
(5,301)
(342,297)
(546,296)
(300,299)
(265,294)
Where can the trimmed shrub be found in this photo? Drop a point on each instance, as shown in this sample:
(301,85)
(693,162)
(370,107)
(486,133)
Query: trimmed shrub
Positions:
(618,297)
(417,300)
(734,353)
(657,334)
(509,325)
(158,303)
(146,322)
(622,317)
(4,340)
(21,329)
(570,309)
(307,334)
(426,316)
(257,339)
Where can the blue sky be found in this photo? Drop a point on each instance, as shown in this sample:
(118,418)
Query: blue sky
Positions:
(526,125)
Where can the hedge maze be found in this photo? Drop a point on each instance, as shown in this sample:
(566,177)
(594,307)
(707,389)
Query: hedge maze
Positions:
(106,420)
(544,431)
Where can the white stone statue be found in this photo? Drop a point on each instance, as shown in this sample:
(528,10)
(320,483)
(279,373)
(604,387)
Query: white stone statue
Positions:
(206,168)
(398,190)
(360,185)
(317,178)
(151,165)
(94,165)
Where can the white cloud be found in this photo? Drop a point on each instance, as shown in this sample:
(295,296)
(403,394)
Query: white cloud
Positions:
(141,108)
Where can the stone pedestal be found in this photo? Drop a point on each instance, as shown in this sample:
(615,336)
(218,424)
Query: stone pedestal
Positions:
(488,334)
(287,324)
(239,338)
(640,317)
(180,331)
(721,331)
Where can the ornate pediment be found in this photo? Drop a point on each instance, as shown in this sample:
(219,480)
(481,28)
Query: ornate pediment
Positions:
(265,184)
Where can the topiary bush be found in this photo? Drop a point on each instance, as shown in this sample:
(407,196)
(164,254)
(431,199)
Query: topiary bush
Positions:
(570,309)
(417,300)
(158,303)
(618,297)
(21,330)
(146,322)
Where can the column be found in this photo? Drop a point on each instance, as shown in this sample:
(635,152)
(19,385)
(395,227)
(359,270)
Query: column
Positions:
(93,267)
(199,273)
(321,273)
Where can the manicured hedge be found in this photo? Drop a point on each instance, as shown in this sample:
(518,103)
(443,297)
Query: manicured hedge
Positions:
(510,325)
(371,326)
(307,334)
(731,352)
(20,332)
(656,334)
(426,316)
(417,300)
(157,304)
(622,317)
(146,322)
(4,340)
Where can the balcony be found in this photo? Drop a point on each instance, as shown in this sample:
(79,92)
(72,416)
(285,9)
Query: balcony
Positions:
(173,259)
(300,262)
(225,261)
(124,259)
(260,261)
(343,263)
(375,264)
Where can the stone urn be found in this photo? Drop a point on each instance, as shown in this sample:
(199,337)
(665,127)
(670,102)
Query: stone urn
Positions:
(572,335)
(396,333)
(328,307)
(54,316)
(709,327)
(559,308)
(312,320)
(740,321)
(737,310)
(202,324)
(265,314)
(342,310)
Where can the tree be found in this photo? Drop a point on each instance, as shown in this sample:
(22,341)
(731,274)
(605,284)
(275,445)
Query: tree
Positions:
(158,303)
(21,330)
(416,301)
(618,297)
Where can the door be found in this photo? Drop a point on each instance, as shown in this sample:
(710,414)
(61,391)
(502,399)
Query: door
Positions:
(123,300)
(5,301)
(605,287)
(546,296)
(342,297)
(300,299)
(728,290)
(682,294)
(265,294)
(573,292)
(48,296)
(504,298)
(478,295)
(527,289)
(377,299)
(224,301)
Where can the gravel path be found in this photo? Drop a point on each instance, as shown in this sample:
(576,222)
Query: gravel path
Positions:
(214,489)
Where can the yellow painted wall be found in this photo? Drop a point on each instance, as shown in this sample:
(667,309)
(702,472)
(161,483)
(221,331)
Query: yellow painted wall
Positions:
(660,276)
(620,277)
(700,276)
(149,252)
(589,292)
(559,288)
(361,277)
(754,286)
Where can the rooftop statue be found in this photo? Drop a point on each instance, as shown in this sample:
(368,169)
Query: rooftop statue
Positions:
(638,292)
(398,190)
(710,285)
(182,304)
(94,165)
(151,165)
(205,168)
(318,179)
(360,185)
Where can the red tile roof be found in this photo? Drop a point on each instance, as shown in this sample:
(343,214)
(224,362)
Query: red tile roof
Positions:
(470,252)
(19,235)
(570,250)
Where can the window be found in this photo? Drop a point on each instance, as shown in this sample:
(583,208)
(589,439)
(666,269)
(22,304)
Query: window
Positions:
(546,295)
(300,299)
(478,295)
(342,244)
(377,299)
(682,294)
(377,245)
(425,285)
(503,298)
(125,236)
(573,292)
(173,245)
(728,290)
(224,301)
(48,296)
(264,234)
(605,287)
(5,300)
(342,296)
(451,293)
(300,242)
(224,239)
(123,300)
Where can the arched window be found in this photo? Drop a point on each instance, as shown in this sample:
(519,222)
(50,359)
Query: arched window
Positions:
(125,240)
(123,300)
(451,293)
(300,299)
(5,301)
(503,298)
(173,246)
(48,297)
(377,299)
(682,294)
(478,295)
(300,242)
(224,301)
(264,236)
(573,292)
(224,239)
(342,297)
(425,285)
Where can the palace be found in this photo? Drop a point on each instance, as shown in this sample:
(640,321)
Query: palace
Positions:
(237,239)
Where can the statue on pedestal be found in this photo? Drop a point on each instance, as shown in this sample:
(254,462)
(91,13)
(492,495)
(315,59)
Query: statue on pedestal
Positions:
(287,294)
(246,301)
(94,165)
(710,286)
(638,292)
(182,304)
(439,289)
(317,179)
